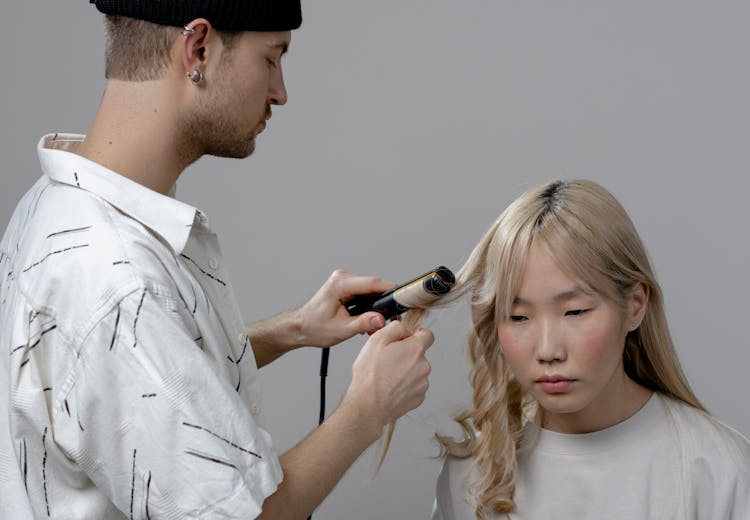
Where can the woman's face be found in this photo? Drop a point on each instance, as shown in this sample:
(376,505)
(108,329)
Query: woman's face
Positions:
(564,343)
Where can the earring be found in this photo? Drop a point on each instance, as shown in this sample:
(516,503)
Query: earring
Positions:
(196,76)
(186,31)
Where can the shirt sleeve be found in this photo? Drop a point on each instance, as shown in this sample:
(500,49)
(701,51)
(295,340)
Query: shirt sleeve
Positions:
(157,425)
(436,513)
(741,496)
(731,497)
(719,474)
(445,493)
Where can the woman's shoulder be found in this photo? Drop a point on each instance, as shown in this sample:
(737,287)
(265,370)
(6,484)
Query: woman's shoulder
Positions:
(457,469)
(451,500)
(715,461)
(706,440)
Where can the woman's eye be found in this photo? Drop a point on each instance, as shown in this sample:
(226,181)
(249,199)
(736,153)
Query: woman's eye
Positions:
(576,312)
(517,318)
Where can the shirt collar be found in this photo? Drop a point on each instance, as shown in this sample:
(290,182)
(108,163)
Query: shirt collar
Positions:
(171,219)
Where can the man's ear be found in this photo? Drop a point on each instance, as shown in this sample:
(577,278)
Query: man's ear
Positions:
(636,304)
(195,37)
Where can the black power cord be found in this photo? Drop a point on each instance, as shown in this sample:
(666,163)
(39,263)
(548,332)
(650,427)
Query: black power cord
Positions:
(324,354)
(323,374)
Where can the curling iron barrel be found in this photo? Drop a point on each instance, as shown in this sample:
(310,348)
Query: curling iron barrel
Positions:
(419,292)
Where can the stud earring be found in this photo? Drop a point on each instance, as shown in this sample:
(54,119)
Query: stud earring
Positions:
(186,31)
(196,76)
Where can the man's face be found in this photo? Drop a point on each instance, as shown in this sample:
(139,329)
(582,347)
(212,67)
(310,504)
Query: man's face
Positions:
(240,89)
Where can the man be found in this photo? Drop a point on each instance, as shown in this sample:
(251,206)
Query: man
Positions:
(128,377)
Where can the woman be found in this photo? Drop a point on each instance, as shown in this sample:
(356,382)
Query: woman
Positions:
(580,408)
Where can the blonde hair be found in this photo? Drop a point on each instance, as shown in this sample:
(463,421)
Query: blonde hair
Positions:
(592,237)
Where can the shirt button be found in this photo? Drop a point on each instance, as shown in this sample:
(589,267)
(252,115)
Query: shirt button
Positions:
(255,409)
(242,337)
(213,263)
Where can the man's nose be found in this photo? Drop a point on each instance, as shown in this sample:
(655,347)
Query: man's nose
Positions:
(277,90)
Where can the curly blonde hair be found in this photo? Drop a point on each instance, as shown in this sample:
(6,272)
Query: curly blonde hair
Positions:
(594,240)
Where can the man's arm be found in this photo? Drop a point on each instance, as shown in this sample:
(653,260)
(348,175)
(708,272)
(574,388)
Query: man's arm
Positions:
(321,322)
(274,337)
(389,378)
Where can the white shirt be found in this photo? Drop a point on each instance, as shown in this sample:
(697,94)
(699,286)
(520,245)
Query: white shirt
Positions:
(127,384)
(666,462)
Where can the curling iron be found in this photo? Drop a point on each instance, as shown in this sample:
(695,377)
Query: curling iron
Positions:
(418,292)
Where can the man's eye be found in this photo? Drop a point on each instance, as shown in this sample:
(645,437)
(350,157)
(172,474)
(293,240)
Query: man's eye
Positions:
(577,312)
(271,63)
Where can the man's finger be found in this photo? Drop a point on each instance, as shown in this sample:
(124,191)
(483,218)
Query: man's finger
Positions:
(394,331)
(354,285)
(369,322)
(427,336)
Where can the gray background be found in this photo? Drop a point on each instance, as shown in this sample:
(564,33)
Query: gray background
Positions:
(410,126)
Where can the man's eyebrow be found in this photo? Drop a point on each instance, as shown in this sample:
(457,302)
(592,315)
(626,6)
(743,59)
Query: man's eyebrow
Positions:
(284,46)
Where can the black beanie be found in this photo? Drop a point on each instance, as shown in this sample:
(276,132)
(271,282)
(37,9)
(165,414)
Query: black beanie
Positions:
(224,15)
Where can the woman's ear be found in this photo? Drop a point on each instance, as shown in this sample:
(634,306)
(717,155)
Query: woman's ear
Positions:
(636,304)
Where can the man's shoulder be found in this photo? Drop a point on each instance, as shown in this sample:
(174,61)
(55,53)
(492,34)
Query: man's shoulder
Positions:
(72,250)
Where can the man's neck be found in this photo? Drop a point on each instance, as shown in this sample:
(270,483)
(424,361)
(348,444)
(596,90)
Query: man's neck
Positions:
(135,134)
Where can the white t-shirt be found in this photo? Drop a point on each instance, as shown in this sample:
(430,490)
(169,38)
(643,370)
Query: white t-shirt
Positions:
(128,388)
(666,462)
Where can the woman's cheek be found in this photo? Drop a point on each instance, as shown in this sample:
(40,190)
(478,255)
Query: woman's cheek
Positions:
(515,353)
(599,343)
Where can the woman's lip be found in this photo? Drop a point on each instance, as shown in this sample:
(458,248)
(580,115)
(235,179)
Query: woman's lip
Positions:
(555,386)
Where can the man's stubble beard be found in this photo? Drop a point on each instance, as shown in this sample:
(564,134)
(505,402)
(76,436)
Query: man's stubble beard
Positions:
(208,131)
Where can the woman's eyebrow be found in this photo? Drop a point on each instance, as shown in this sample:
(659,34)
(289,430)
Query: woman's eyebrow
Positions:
(571,294)
(560,297)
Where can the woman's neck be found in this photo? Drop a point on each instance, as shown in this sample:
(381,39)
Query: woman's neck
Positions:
(619,402)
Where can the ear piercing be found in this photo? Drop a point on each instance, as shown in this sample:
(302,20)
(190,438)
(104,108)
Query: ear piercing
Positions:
(196,76)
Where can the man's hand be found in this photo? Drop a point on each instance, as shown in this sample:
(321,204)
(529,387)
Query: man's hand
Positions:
(321,322)
(389,378)
(390,375)
(324,321)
